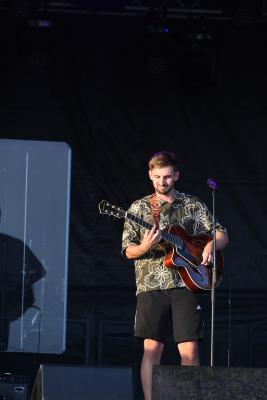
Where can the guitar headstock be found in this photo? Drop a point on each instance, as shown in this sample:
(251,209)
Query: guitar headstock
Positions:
(110,209)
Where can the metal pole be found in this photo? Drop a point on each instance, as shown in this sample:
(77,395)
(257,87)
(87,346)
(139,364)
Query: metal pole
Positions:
(214,278)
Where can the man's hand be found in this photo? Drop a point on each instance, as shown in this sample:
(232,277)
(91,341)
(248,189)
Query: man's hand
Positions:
(207,255)
(150,239)
(221,241)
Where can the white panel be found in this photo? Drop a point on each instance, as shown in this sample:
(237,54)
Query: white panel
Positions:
(34,230)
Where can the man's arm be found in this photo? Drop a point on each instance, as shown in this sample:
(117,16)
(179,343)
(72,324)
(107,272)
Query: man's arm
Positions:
(150,239)
(221,241)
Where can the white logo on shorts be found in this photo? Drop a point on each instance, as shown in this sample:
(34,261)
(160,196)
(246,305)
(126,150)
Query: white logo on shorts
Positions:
(199,307)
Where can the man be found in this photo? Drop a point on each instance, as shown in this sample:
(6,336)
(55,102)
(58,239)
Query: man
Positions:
(161,294)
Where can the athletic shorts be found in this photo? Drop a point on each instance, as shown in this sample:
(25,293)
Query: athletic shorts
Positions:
(159,312)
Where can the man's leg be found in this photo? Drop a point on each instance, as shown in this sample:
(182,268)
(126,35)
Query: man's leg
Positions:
(152,354)
(189,353)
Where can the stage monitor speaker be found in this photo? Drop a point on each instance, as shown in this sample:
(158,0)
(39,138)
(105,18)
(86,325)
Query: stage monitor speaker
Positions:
(58,382)
(13,387)
(208,383)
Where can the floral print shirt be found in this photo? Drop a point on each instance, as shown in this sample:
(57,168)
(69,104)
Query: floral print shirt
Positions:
(186,211)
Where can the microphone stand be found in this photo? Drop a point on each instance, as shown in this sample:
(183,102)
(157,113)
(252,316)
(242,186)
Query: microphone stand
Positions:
(212,185)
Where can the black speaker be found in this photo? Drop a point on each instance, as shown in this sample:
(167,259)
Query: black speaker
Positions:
(58,382)
(13,387)
(208,383)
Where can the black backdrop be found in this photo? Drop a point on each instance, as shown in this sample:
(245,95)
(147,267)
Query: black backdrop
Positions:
(116,92)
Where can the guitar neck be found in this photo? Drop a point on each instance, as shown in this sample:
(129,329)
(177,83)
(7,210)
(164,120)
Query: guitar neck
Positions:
(165,235)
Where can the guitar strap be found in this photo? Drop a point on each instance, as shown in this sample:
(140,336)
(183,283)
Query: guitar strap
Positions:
(155,209)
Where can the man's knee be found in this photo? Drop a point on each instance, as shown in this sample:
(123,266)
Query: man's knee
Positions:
(153,349)
(189,353)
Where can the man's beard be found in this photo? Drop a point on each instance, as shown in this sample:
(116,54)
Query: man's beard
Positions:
(165,192)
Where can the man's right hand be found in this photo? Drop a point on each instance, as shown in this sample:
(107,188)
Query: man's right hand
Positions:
(151,238)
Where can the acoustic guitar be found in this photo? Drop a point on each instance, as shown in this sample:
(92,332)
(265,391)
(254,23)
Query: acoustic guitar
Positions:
(183,251)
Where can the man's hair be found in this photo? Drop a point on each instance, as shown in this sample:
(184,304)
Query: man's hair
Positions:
(163,159)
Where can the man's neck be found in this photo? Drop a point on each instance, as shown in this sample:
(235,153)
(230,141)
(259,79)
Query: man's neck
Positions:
(169,198)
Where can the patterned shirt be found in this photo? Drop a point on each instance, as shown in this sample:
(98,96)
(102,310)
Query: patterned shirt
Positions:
(186,211)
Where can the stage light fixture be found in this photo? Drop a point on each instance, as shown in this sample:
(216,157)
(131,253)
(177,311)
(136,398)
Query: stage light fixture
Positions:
(39,23)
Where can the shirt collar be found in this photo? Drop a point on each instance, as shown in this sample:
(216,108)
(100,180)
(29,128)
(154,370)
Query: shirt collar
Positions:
(177,196)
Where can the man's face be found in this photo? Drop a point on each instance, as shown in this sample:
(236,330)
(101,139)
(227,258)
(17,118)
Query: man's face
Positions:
(163,179)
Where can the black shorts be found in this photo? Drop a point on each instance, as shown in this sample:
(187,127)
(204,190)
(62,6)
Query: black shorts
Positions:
(157,310)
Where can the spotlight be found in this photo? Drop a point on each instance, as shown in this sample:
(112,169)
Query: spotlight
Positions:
(39,23)
(158,28)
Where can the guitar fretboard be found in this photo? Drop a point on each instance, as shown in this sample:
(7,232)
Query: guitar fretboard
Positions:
(168,237)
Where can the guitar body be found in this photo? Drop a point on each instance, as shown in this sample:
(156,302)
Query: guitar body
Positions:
(196,277)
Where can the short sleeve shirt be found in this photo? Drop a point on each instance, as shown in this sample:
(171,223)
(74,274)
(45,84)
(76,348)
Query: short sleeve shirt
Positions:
(186,211)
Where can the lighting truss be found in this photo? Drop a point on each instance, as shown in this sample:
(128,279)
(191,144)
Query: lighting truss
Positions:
(170,8)
(178,7)
(121,7)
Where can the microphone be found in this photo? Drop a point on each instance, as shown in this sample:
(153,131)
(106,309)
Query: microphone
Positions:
(212,184)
